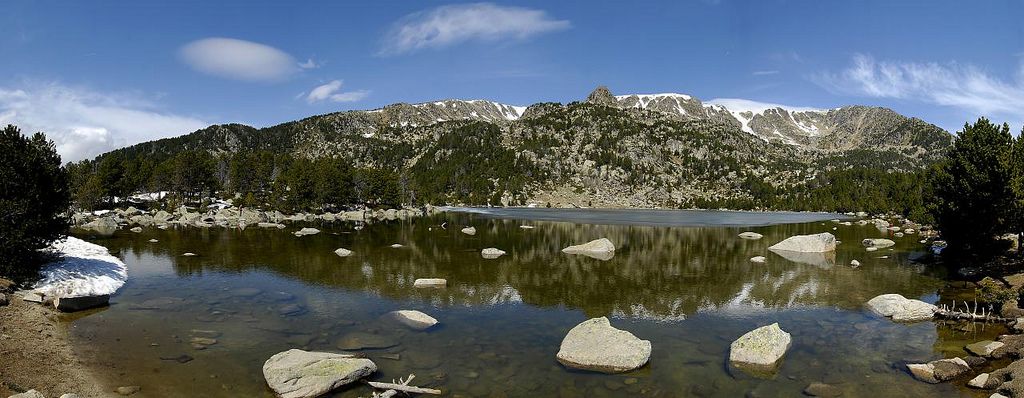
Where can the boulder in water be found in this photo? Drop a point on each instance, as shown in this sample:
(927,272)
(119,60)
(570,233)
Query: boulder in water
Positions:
(602,249)
(877,243)
(491,253)
(760,349)
(469,231)
(430,282)
(817,243)
(939,370)
(413,319)
(342,252)
(307,374)
(751,235)
(72,304)
(901,309)
(595,345)
(758,259)
(307,231)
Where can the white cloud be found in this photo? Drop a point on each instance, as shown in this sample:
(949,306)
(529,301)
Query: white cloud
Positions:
(310,64)
(84,123)
(452,24)
(765,72)
(238,59)
(332,92)
(963,86)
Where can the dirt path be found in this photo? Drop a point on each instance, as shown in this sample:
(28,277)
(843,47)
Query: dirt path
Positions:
(35,353)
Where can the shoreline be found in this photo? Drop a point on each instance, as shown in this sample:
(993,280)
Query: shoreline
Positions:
(37,352)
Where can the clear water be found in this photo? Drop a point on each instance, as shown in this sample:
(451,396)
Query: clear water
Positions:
(688,288)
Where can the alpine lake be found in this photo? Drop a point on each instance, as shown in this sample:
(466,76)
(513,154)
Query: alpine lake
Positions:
(681,279)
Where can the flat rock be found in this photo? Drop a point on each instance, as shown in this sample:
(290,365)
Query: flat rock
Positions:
(979,381)
(342,252)
(760,348)
(817,243)
(491,253)
(72,304)
(984,348)
(413,319)
(33,297)
(750,235)
(758,259)
(307,374)
(430,282)
(901,309)
(595,345)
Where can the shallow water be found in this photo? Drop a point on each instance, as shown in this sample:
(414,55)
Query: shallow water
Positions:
(690,290)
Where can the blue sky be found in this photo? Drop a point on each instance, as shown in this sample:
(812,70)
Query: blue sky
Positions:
(97,75)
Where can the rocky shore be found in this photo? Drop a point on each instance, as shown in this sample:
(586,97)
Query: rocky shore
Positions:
(228,216)
(37,353)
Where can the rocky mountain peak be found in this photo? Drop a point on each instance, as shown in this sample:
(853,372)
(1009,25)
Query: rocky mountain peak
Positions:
(602,96)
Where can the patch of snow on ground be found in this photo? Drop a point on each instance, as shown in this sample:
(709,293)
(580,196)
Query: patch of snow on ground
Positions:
(85,269)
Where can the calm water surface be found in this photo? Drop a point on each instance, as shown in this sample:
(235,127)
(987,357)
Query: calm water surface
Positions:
(679,279)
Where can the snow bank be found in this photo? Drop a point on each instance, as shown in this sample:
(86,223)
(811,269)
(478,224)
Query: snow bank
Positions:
(86,269)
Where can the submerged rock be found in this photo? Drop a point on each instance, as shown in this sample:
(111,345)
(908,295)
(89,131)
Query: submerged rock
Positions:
(760,349)
(413,319)
(365,341)
(491,253)
(939,370)
(751,235)
(901,309)
(306,374)
(817,243)
(595,345)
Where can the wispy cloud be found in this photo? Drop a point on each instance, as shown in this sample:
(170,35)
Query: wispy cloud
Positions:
(963,86)
(452,24)
(765,72)
(332,92)
(310,64)
(84,123)
(239,59)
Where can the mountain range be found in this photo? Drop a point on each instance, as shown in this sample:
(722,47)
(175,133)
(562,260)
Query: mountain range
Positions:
(639,150)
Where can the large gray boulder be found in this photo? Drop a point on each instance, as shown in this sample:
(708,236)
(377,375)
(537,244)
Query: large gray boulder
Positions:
(595,345)
(761,348)
(306,374)
(817,243)
(901,309)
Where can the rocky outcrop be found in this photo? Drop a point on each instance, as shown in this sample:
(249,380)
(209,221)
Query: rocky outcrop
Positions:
(901,309)
(597,346)
(306,374)
(760,349)
(817,243)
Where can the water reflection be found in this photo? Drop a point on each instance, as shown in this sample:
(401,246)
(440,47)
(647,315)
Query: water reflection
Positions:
(661,273)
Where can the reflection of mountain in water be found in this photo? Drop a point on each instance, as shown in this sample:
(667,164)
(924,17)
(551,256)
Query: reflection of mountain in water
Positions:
(657,272)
